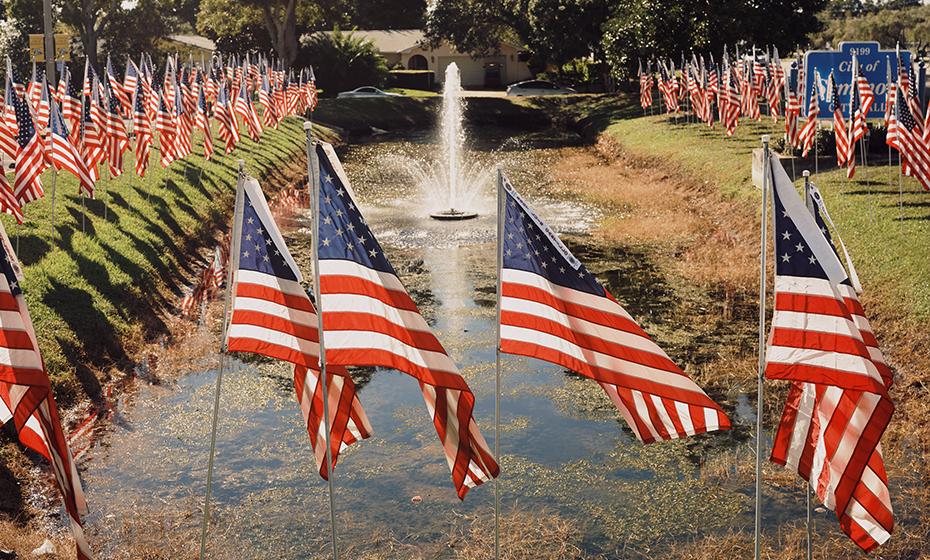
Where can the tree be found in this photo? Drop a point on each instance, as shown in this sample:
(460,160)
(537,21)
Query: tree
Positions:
(24,17)
(280,19)
(88,17)
(478,26)
(387,14)
(344,61)
(668,28)
(257,25)
(908,26)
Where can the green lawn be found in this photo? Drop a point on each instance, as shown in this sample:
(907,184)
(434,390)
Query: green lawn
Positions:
(890,247)
(96,294)
(414,92)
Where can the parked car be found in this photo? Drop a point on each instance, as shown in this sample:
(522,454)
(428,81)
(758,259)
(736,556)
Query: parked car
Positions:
(537,87)
(367,91)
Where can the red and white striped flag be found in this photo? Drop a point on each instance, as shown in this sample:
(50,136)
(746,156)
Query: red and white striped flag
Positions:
(63,155)
(166,126)
(26,396)
(915,154)
(553,309)
(838,406)
(202,121)
(228,129)
(30,158)
(808,133)
(369,319)
(142,128)
(272,316)
(840,133)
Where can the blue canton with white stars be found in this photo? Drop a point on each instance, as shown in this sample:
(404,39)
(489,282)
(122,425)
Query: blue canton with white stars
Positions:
(23,121)
(6,268)
(527,247)
(257,251)
(792,255)
(344,234)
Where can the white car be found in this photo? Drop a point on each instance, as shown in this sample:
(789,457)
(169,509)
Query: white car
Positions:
(537,87)
(367,91)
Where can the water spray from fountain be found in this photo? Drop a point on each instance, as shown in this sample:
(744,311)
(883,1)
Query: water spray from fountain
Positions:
(452,138)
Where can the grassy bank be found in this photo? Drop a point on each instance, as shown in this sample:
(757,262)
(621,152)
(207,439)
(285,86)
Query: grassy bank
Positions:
(97,291)
(889,244)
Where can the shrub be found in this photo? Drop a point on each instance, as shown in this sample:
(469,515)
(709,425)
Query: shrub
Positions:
(342,61)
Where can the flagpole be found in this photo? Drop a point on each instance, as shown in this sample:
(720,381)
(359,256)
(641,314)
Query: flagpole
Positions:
(761,373)
(54,181)
(501,209)
(234,257)
(313,170)
(807,484)
(83,213)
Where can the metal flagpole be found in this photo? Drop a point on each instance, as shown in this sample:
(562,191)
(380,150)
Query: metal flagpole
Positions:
(807,484)
(54,181)
(313,172)
(759,389)
(231,266)
(501,209)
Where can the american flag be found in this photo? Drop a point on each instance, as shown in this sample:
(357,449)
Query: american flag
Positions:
(68,100)
(840,133)
(228,129)
(850,131)
(553,309)
(34,87)
(8,125)
(117,139)
(142,128)
(272,315)
(41,114)
(63,155)
(914,151)
(370,320)
(30,158)
(130,81)
(808,133)
(312,96)
(815,337)
(266,98)
(165,124)
(8,203)
(26,396)
(245,109)
(116,89)
(92,138)
(732,112)
(184,123)
(865,99)
(645,88)
(792,115)
(891,117)
(829,432)
(202,120)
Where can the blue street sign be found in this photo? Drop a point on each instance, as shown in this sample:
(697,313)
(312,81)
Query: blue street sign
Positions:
(873,64)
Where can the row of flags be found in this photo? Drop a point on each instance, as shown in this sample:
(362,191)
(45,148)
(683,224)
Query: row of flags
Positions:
(78,130)
(723,93)
(735,88)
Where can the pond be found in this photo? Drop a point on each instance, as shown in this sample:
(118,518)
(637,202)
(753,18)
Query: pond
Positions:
(566,453)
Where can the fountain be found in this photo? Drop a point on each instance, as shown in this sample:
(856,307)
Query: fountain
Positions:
(452,138)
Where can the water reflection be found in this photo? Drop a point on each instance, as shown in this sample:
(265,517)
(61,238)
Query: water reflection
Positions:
(564,448)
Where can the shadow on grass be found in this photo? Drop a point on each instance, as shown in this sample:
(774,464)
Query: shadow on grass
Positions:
(98,341)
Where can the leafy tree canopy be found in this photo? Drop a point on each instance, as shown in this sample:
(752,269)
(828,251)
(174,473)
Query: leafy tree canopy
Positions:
(909,26)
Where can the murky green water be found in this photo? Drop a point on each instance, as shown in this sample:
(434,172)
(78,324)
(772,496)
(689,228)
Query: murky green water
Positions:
(564,448)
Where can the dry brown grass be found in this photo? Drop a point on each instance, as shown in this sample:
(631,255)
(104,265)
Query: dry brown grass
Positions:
(24,539)
(525,535)
(706,238)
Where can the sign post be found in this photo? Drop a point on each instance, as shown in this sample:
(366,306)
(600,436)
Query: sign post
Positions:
(873,62)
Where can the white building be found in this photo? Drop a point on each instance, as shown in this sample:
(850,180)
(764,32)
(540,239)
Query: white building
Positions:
(408,47)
